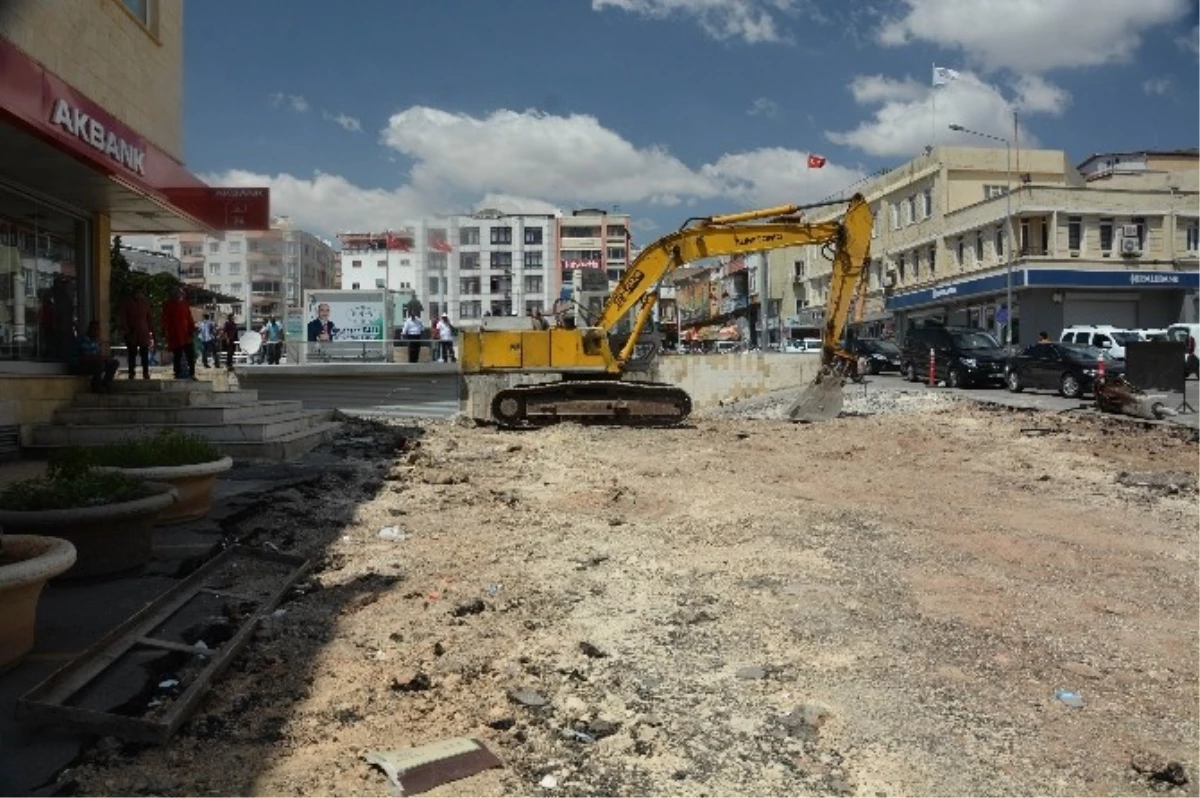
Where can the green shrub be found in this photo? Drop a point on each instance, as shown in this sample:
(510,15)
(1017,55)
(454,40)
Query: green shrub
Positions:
(72,488)
(168,448)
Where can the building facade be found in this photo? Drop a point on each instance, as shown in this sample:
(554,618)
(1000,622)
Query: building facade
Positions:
(591,238)
(90,141)
(262,272)
(956,232)
(469,266)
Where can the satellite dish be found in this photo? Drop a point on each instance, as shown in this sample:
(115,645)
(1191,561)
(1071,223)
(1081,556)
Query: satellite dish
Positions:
(250,342)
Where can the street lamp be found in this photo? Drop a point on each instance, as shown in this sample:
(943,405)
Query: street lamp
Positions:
(1008,304)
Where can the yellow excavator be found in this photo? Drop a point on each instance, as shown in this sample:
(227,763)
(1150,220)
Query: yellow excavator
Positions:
(590,388)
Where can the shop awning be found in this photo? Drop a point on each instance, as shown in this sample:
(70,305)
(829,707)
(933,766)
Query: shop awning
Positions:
(57,143)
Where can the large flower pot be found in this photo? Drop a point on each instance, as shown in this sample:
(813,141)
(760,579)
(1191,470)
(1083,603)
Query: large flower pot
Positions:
(27,562)
(108,539)
(194,483)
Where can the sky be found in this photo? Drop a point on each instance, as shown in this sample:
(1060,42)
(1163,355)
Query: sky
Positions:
(363,114)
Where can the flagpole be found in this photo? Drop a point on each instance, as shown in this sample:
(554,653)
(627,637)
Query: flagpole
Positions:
(933,106)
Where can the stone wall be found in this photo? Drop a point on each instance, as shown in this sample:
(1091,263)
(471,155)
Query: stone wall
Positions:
(712,379)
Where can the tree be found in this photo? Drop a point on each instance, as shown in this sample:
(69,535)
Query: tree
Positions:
(122,282)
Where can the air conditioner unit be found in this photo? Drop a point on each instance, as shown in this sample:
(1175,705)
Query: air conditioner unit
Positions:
(1129,231)
(1130,246)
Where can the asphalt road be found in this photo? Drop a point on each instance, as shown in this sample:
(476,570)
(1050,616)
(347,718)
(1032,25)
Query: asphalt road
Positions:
(1041,399)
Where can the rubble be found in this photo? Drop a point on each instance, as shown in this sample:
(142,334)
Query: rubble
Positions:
(880,604)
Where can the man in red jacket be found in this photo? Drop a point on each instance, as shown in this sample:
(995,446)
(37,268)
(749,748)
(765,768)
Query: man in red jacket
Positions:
(178,325)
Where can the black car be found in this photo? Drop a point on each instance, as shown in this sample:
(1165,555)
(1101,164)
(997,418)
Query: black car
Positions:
(1068,368)
(963,356)
(879,355)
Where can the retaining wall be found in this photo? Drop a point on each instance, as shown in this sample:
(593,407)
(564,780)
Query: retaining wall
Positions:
(712,379)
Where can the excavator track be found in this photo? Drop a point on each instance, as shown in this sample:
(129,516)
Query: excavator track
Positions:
(616,402)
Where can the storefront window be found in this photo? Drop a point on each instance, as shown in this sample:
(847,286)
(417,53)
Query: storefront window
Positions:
(43,268)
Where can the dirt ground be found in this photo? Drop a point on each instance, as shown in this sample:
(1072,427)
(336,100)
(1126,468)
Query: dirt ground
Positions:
(880,605)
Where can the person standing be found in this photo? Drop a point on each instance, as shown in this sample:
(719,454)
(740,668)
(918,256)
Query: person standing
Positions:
(208,341)
(445,334)
(229,336)
(412,332)
(274,331)
(178,325)
(136,324)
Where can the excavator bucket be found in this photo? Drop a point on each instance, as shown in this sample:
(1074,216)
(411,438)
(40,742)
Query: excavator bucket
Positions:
(821,401)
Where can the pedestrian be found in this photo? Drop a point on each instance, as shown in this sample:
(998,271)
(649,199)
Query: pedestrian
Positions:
(208,341)
(136,324)
(412,332)
(180,329)
(539,321)
(445,334)
(229,336)
(274,340)
(88,360)
(1043,337)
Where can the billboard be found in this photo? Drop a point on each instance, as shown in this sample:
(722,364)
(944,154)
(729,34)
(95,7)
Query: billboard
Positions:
(344,316)
(691,297)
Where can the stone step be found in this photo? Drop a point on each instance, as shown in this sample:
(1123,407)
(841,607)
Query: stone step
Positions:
(205,414)
(283,448)
(122,399)
(121,386)
(261,429)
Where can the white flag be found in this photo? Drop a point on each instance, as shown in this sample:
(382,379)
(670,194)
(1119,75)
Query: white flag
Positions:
(942,75)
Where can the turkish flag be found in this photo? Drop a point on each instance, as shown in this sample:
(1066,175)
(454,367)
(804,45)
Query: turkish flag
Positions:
(815,161)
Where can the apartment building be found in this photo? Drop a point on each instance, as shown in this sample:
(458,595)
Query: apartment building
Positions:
(591,238)
(1112,241)
(265,272)
(470,265)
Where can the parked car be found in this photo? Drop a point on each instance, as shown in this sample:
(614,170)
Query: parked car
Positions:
(879,355)
(1101,336)
(1069,369)
(963,356)
(1188,333)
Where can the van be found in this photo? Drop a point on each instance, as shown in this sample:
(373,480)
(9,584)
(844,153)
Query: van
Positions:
(1187,333)
(963,356)
(1102,336)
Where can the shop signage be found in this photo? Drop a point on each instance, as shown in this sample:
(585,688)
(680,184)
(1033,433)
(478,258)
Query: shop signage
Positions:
(225,208)
(581,264)
(101,136)
(1112,278)
(1154,279)
(941,292)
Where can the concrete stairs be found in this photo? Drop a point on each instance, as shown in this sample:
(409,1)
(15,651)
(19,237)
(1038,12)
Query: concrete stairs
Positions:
(238,423)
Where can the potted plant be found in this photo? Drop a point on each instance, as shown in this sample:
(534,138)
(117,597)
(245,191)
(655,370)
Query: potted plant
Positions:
(189,463)
(108,517)
(27,562)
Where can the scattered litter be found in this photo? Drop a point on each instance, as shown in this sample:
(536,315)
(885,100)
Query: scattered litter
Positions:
(582,737)
(1070,698)
(271,546)
(492,589)
(200,644)
(591,651)
(419,769)
(279,613)
(393,533)
(168,684)
(548,782)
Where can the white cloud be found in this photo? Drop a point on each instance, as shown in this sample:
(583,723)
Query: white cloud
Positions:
(874,88)
(906,121)
(329,203)
(560,158)
(763,106)
(350,123)
(1037,95)
(753,21)
(1031,36)
(535,163)
(1157,85)
(777,176)
(1190,40)
(296,102)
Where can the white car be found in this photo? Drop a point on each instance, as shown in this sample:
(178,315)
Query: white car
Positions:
(1102,336)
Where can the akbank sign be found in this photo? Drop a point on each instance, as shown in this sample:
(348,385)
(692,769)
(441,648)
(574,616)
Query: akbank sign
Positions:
(99,136)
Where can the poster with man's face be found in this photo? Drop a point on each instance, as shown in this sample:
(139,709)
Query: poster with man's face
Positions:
(341,318)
